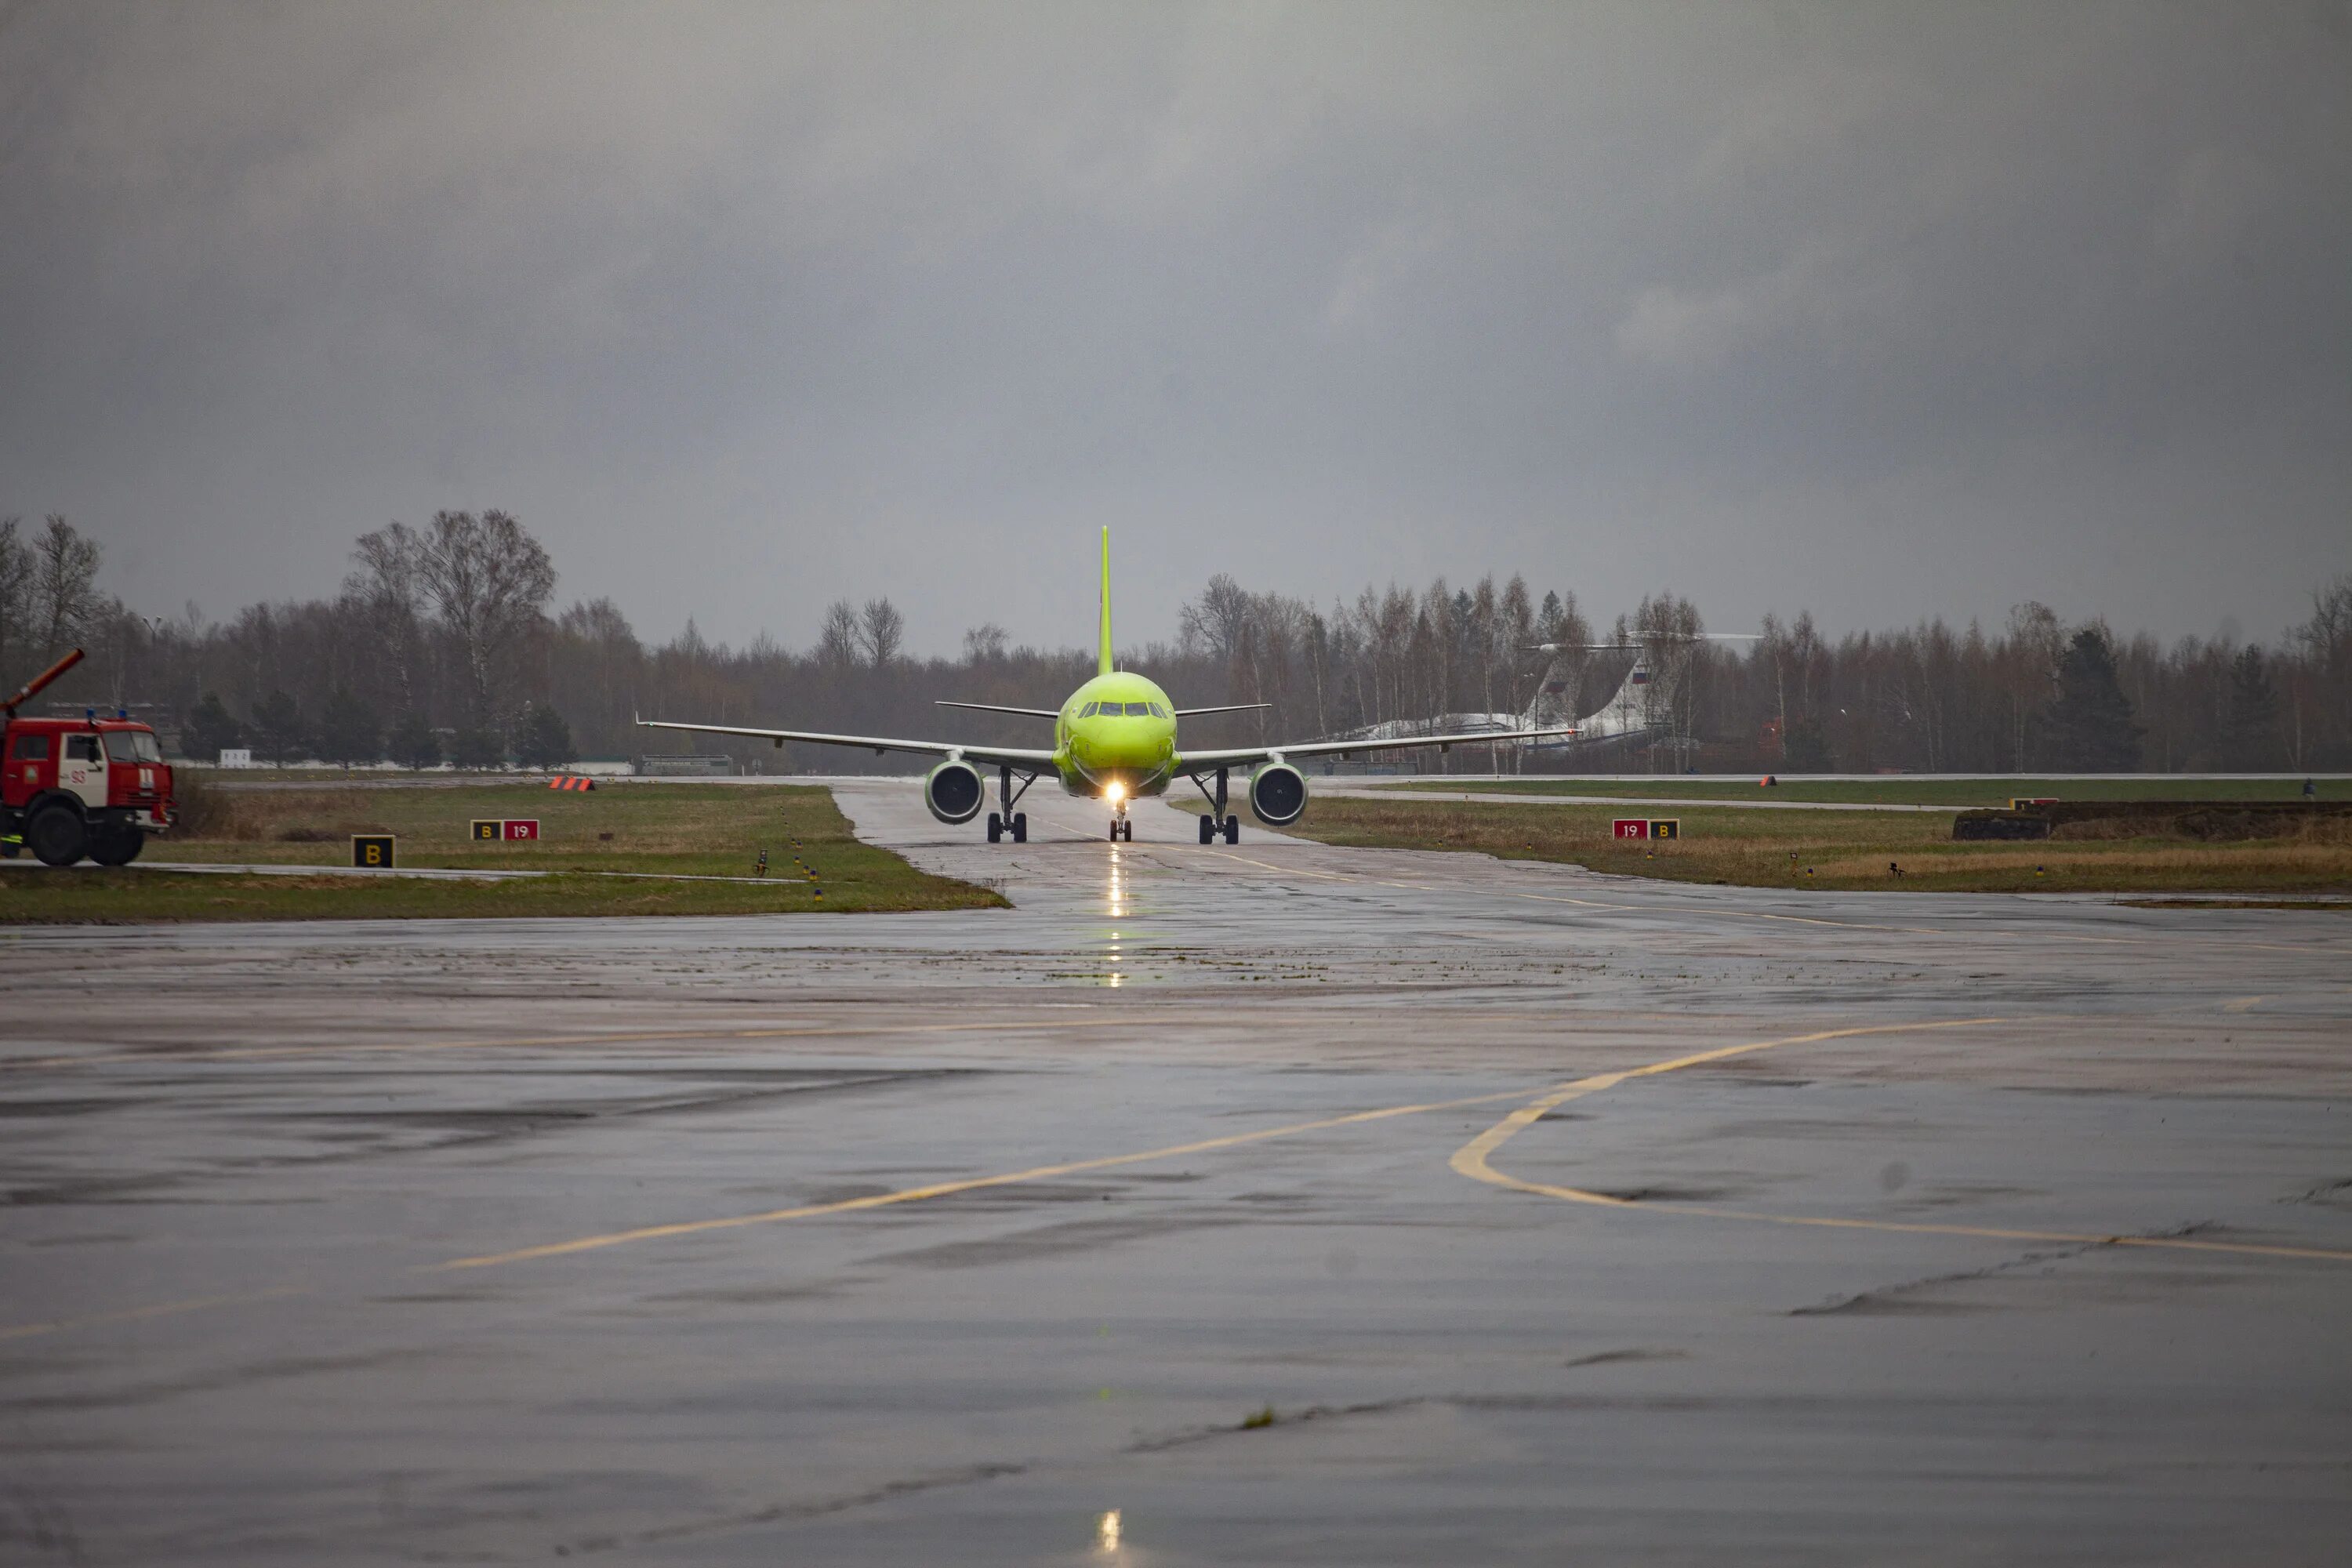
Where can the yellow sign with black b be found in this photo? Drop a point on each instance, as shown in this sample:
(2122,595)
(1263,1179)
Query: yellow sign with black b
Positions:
(490,827)
(372,849)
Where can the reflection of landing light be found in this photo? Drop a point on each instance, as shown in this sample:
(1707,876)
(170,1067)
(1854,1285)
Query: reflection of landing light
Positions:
(1118,889)
(1106,1531)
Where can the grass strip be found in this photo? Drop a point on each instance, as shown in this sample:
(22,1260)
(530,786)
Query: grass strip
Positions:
(1895,790)
(814,860)
(1828,849)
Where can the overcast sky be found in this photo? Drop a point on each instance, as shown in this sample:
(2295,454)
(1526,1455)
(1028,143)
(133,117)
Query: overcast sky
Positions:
(1884,310)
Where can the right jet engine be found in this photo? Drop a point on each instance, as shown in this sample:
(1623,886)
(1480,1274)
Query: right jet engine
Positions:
(1277,793)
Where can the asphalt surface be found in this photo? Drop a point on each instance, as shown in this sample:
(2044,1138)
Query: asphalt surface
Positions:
(1250,1203)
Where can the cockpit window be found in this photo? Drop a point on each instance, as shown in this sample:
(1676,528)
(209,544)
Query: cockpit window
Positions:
(1158,711)
(1139,709)
(1089,710)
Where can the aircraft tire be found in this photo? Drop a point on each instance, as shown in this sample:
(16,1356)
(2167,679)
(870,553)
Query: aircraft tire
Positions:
(1208,829)
(1020,828)
(995,828)
(1233,830)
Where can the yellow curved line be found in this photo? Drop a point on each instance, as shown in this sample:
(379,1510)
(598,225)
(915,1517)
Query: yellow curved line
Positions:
(1473,1160)
(963,1185)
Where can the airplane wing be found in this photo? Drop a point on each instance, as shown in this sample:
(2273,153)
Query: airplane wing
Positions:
(1249,756)
(987,756)
(1000,708)
(1229,708)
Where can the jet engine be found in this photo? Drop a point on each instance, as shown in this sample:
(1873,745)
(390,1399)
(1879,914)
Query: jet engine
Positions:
(1277,793)
(954,792)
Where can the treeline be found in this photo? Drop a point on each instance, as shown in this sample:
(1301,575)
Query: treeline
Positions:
(445,643)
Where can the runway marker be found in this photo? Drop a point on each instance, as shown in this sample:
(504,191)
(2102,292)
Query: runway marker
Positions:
(1473,1159)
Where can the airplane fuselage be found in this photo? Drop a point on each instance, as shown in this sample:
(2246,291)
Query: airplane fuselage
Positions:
(1115,739)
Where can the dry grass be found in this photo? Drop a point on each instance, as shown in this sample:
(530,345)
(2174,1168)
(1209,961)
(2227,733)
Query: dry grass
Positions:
(1835,850)
(657,831)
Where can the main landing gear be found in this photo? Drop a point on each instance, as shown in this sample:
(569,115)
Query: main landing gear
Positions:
(1121,828)
(1008,820)
(1221,825)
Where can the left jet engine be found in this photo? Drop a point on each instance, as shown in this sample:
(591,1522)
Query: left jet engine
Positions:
(954,792)
(1277,793)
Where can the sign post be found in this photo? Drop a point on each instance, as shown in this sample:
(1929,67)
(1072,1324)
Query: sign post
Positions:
(1665,827)
(373,851)
(522,827)
(1632,826)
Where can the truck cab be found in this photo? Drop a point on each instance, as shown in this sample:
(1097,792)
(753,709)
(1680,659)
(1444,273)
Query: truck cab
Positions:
(71,788)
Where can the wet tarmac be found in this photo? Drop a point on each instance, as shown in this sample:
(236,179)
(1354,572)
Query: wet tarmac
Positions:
(1261,1203)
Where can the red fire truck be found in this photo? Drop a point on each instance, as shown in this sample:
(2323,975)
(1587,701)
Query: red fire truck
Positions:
(76,788)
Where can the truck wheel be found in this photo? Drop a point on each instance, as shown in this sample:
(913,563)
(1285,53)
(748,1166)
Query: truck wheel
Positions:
(56,836)
(111,846)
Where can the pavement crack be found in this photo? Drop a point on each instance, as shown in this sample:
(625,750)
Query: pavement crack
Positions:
(785,1513)
(1637,1352)
(2326,1193)
(1892,1300)
(1269,1419)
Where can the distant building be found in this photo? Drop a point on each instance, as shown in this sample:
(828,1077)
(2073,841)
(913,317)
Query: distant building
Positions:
(686,764)
(236,757)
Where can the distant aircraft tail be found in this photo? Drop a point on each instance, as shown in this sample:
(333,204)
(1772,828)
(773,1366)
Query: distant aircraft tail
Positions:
(1102,661)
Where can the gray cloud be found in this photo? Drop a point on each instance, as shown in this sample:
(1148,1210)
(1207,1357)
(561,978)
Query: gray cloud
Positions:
(1885,310)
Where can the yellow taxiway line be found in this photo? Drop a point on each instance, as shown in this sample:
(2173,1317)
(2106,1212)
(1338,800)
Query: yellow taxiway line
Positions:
(1474,1158)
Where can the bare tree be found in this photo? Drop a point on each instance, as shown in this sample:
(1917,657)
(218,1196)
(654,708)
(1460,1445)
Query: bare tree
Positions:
(65,578)
(489,581)
(16,589)
(388,594)
(1213,624)
(985,643)
(837,639)
(881,630)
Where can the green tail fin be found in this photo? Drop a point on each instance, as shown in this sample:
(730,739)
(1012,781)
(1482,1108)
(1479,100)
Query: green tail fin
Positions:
(1102,663)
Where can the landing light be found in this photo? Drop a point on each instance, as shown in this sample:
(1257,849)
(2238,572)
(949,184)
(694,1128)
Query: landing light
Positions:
(1115,793)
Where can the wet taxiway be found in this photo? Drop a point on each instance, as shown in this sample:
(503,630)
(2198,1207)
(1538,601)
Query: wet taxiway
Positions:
(1262,1203)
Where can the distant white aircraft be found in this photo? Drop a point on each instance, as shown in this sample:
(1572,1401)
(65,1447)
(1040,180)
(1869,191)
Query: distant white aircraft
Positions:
(1633,710)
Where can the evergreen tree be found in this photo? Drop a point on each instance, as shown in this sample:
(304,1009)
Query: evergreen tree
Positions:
(348,732)
(412,742)
(279,733)
(1805,750)
(475,747)
(545,741)
(209,728)
(2250,731)
(2089,725)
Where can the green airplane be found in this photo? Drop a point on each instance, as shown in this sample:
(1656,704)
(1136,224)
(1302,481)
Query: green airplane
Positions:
(1114,741)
